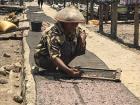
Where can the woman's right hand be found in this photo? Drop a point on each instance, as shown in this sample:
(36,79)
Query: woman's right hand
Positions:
(74,72)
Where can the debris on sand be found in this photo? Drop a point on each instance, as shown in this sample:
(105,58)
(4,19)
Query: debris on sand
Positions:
(6,55)
(2,71)
(3,81)
(18,99)
(9,67)
(16,85)
(17,67)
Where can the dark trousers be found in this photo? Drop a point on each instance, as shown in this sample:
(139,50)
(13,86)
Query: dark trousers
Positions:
(40,3)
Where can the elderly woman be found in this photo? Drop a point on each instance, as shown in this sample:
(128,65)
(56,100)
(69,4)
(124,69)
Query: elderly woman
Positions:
(62,43)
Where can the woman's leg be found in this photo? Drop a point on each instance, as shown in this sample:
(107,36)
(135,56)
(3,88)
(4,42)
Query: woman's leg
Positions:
(44,62)
(41,3)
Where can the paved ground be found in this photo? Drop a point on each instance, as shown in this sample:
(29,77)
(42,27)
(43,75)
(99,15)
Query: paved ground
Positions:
(83,93)
(52,91)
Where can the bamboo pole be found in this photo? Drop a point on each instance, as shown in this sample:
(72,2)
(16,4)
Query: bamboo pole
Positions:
(136,25)
(87,11)
(114,19)
(101,18)
(91,9)
(64,3)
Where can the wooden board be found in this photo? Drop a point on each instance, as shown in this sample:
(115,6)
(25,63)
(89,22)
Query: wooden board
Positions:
(86,73)
(103,74)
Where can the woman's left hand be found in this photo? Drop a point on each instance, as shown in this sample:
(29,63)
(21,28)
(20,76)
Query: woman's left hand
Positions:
(83,36)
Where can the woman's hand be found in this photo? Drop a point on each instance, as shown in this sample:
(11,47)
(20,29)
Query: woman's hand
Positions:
(71,71)
(74,72)
(83,36)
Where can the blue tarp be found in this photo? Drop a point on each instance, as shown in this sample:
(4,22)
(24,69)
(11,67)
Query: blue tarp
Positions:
(129,2)
(125,2)
(108,1)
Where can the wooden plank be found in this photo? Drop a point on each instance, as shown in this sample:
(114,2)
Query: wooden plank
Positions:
(18,29)
(86,73)
(11,6)
(103,74)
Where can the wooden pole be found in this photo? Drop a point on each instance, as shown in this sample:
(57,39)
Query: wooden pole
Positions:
(87,12)
(101,18)
(114,19)
(136,25)
(64,3)
(91,9)
(2,2)
(21,2)
(72,2)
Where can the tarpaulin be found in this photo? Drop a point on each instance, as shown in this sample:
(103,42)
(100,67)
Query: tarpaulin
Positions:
(129,2)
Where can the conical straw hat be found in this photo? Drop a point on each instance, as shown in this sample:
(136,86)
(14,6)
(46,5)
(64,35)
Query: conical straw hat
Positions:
(70,14)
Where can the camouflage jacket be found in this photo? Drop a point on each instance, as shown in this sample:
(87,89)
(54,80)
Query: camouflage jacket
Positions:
(56,43)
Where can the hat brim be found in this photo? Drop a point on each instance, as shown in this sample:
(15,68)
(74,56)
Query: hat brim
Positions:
(70,21)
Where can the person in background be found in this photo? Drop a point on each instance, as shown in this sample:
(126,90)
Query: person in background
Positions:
(40,3)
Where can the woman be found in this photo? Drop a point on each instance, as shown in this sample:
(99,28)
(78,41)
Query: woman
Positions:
(62,43)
